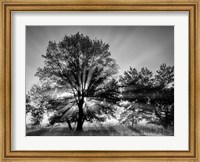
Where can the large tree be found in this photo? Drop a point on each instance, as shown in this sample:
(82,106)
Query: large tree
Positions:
(81,67)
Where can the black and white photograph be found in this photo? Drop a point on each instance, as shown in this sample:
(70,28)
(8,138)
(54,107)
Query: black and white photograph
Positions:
(99,80)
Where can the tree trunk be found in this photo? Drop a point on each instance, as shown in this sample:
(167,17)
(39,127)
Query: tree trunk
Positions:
(132,123)
(69,125)
(80,116)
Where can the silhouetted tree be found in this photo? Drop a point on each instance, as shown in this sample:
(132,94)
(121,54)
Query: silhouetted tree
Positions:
(164,97)
(137,87)
(148,97)
(81,67)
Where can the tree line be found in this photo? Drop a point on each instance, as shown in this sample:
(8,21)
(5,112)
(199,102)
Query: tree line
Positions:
(79,82)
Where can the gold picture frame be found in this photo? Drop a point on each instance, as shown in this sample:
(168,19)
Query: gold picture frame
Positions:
(192,6)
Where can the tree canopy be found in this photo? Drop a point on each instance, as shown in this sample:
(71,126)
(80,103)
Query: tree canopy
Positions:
(148,97)
(81,67)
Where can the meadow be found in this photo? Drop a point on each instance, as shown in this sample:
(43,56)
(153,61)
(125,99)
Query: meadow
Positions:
(102,129)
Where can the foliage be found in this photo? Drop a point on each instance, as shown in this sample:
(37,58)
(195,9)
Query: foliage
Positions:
(164,101)
(81,67)
(148,97)
(35,104)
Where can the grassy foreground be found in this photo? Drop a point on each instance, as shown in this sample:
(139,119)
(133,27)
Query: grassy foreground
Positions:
(99,129)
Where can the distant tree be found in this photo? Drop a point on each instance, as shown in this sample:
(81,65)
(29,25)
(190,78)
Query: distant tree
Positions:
(135,84)
(35,101)
(137,87)
(164,97)
(165,76)
(81,67)
(148,97)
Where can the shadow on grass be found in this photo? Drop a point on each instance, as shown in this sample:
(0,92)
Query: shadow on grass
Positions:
(152,130)
(64,131)
(104,130)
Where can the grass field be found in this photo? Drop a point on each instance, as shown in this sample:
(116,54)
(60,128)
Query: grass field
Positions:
(102,129)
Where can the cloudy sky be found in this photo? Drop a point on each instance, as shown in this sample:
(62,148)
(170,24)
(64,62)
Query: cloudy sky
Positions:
(135,46)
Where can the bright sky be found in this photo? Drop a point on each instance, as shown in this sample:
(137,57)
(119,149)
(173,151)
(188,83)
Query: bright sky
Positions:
(135,46)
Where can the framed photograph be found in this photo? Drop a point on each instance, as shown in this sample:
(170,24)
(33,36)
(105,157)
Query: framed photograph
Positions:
(100,81)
